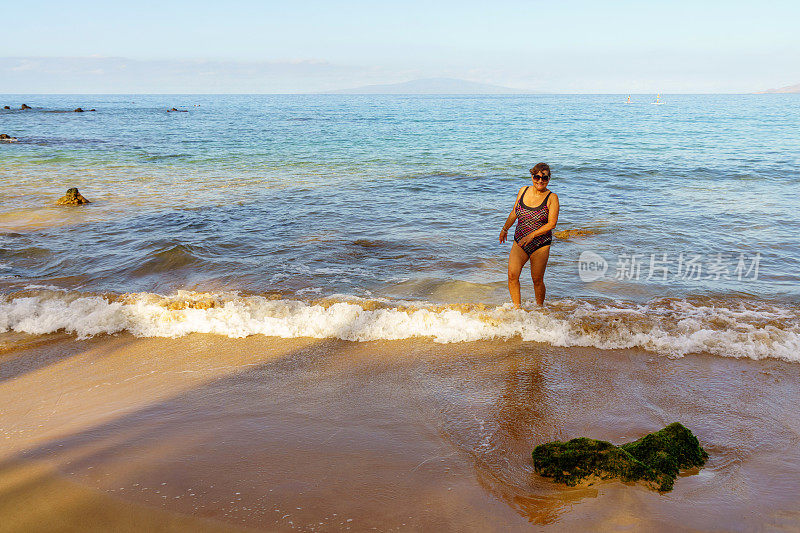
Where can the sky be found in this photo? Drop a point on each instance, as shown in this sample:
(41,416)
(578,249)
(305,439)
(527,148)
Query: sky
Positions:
(248,46)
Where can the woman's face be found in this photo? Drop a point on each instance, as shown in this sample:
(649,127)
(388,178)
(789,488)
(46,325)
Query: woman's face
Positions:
(540,180)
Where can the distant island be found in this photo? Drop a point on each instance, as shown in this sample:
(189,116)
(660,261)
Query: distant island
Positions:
(431,86)
(789,89)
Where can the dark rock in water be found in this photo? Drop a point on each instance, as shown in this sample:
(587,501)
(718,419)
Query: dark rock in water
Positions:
(93,109)
(178,110)
(667,451)
(73,197)
(655,459)
(6,107)
(4,137)
(24,106)
(571,462)
(78,110)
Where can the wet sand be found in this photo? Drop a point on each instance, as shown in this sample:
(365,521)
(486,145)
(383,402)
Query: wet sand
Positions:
(206,433)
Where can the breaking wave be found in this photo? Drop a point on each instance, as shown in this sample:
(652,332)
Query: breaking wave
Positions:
(668,326)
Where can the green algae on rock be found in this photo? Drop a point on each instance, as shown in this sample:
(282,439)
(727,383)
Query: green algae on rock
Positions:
(73,197)
(667,451)
(655,459)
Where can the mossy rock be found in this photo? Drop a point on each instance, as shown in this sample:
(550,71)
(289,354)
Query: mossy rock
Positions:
(73,197)
(667,451)
(655,459)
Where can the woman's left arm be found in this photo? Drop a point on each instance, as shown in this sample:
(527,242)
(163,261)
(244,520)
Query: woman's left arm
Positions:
(552,219)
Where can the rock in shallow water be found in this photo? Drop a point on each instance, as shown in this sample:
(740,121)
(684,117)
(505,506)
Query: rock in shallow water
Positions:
(655,459)
(73,197)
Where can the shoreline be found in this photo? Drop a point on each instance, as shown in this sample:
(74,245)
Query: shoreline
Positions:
(669,326)
(260,432)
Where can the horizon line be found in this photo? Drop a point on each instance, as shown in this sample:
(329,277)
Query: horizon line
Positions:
(335,94)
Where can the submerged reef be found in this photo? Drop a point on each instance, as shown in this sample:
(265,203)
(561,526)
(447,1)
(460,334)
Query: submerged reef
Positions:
(655,459)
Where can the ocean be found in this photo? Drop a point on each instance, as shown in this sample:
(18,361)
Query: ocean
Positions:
(377,217)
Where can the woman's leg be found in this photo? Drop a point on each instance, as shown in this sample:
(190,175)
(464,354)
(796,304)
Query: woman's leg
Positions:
(538,264)
(516,260)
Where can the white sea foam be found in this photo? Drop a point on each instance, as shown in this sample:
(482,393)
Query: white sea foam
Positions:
(665,326)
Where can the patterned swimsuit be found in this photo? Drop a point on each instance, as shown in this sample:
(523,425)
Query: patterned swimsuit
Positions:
(530,219)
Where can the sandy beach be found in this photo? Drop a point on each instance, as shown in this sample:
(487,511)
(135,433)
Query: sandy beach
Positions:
(214,434)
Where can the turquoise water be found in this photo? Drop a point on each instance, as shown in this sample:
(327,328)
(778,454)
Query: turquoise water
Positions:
(400,197)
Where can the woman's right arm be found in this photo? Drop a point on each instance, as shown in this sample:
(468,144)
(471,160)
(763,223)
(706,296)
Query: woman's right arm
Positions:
(511,218)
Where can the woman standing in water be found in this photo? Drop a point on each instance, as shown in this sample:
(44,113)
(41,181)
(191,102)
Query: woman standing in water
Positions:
(534,232)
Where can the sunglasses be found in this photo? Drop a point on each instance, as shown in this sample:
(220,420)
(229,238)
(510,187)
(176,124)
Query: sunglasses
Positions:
(542,178)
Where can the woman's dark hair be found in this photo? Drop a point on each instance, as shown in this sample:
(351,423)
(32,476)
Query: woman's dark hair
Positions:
(541,167)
